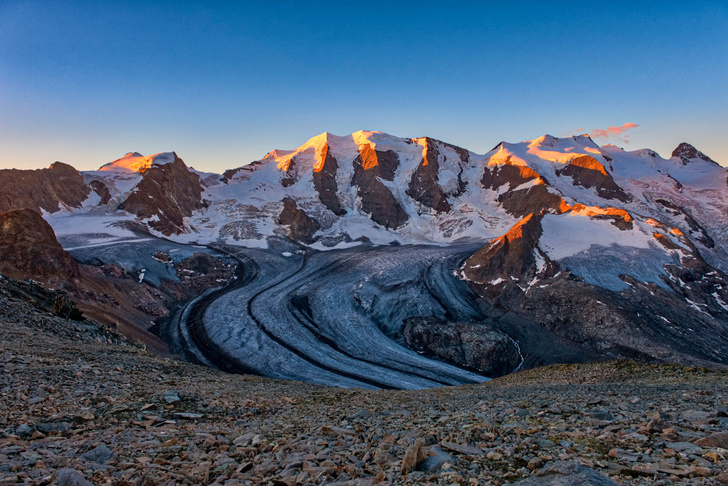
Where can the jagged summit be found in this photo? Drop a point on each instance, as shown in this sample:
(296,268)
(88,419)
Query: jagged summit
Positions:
(687,152)
(134,162)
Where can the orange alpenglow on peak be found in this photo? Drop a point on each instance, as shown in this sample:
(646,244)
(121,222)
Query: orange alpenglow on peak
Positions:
(321,158)
(516,232)
(425,149)
(588,162)
(284,163)
(138,163)
(368,156)
(504,156)
(131,162)
(596,211)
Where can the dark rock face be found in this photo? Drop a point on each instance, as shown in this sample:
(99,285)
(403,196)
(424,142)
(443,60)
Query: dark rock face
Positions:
(302,227)
(522,202)
(588,172)
(534,199)
(685,152)
(290,174)
(697,231)
(324,181)
(376,198)
(618,217)
(42,189)
(513,175)
(423,186)
(511,255)
(378,163)
(101,189)
(228,175)
(470,345)
(29,249)
(170,192)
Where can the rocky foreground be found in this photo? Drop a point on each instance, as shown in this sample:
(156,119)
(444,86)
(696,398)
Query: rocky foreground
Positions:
(80,405)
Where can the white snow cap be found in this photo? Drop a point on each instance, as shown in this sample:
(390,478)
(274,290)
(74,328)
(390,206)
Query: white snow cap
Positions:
(135,162)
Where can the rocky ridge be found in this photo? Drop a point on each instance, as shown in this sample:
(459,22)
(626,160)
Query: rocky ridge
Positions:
(44,189)
(29,249)
(598,316)
(166,194)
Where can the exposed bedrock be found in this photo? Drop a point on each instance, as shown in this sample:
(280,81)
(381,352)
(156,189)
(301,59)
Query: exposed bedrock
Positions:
(166,195)
(513,175)
(103,191)
(47,189)
(532,198)
(324,181)
(512,256)
(475,346)
(588,172)
(300,226)
(686,152)
(290,174)
(376,199)
(696,230)
(29,249)
(423,186)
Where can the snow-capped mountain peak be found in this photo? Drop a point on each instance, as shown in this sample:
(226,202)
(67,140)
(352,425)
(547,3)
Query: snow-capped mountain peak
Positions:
(686,153)
(134,162)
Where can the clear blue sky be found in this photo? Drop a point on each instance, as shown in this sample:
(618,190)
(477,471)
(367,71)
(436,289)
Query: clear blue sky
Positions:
(222,83)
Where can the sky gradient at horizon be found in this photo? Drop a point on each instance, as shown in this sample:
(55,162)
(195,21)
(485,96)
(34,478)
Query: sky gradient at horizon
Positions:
(223,83)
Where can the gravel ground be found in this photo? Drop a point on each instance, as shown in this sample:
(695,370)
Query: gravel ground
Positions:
(79,406)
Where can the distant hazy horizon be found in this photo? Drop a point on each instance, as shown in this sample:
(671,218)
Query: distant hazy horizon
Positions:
(86,82)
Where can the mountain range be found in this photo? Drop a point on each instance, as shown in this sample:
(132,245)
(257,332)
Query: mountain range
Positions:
(587,252)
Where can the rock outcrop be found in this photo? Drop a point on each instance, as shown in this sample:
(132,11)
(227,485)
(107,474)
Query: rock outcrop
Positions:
(423,186)
(474,346)
(376,199)
(324,181)
(514,175)
(103,191)
(512,256)
(686,152)
(533,197)
(165,196)
(588,172)
(695,229)
(46,189)
(301,226)
(29,249)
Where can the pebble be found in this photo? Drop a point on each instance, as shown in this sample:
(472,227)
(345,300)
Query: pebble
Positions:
(70,477)
(171,396)
(100,454)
